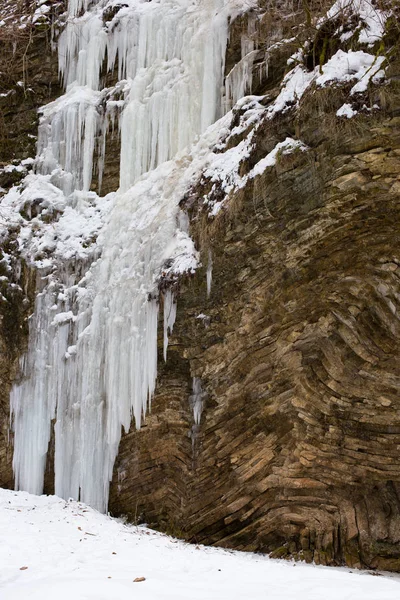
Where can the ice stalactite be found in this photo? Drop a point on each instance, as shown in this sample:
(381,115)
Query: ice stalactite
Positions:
(170,307)
(197,400)
(196,403)
(209,273)
(30,450)
(92,358)
(239,80)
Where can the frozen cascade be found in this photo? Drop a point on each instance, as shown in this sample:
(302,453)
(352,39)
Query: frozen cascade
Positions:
(92,357)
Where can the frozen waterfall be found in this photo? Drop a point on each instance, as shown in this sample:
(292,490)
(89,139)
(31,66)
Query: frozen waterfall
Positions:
(92,357)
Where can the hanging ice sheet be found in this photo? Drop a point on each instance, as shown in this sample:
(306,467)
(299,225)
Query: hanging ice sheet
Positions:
(92,356)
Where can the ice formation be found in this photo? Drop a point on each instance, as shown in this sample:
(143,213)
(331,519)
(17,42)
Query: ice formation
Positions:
(239,80)
(197,400)
(169,317)
(154,72)
(209,273)
(92,357)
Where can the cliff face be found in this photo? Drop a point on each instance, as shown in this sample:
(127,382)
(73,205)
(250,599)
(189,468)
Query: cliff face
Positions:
(297,451)
(296,349)
(292,358)
(29,79)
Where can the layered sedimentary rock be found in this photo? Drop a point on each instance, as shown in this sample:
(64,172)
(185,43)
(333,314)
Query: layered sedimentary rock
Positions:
(297,351)
(275,422)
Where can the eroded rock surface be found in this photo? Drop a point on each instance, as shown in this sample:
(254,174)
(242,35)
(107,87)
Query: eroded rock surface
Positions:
(296,349)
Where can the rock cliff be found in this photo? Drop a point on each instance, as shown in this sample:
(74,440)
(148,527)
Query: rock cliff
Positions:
(275,425)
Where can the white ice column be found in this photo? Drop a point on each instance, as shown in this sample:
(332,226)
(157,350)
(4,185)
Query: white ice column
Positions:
(92,359)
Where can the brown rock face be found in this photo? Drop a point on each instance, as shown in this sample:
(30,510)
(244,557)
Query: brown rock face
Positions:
(297,451)
(295,354)
(297,351)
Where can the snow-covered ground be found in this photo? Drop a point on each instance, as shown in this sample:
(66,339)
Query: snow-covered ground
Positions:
(52,549)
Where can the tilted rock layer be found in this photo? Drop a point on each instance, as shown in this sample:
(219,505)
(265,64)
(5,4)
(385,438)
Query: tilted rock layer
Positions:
(296,349)
(297,451)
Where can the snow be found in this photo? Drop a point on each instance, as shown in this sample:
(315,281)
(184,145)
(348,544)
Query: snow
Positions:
(223,165)
(63,317)
(50,548)
(40,12)
(346,66)
(346,111)
(342,68)
(75,222)
(285,147)
(36,12)
(293,87)
(371,20)
(368,24)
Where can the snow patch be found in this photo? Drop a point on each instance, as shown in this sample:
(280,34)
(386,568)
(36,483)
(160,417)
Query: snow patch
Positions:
(343,67)
(346,111)
(71,551)
(371,20)
(286,147)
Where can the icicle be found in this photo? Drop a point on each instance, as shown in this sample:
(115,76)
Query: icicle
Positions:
(239,80)
(102,151)
(170,307)
(92,358)
(75,6)
(196,400)
(196,403)
(209,273)
(33,403)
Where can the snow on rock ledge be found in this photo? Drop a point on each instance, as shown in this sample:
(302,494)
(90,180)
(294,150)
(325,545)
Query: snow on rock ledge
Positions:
(342,68)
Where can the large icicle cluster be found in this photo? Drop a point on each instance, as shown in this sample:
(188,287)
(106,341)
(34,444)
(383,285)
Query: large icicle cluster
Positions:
(92,357)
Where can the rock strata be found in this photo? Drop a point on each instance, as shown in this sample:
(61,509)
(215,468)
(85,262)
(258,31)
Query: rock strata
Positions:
(291,361)
(297,349)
